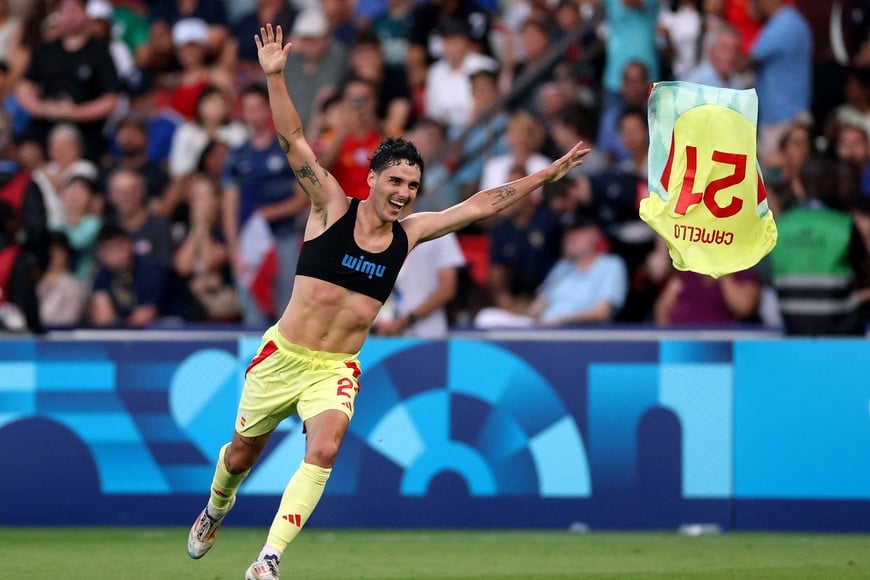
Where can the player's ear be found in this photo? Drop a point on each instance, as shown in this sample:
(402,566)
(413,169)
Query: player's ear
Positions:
(372,176)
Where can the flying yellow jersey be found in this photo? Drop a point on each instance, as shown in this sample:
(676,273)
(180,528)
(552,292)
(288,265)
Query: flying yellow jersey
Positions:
(706,192)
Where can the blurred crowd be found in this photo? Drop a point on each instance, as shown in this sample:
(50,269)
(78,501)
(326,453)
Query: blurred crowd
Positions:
(142,182)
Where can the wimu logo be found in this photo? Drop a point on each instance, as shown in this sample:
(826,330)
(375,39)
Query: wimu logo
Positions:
(362,265)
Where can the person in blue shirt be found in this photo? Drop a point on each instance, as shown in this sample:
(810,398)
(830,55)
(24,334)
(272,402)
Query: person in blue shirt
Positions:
(782,60)
(258,179)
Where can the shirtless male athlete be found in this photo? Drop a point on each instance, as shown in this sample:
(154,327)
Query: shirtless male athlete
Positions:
(307,363)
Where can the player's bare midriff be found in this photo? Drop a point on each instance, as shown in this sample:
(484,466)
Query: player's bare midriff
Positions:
(326,317)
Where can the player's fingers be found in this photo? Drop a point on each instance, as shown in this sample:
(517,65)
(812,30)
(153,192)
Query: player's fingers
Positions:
(270,31)
(279,35)
(258,42)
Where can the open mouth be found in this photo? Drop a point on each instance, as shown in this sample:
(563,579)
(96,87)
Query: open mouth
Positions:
(396,205)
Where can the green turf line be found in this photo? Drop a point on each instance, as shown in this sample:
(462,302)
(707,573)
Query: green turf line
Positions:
(159,553)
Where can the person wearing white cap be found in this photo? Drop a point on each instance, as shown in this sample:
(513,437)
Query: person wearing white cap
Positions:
(190,38)
(100,13)
(316,65)
(162,41)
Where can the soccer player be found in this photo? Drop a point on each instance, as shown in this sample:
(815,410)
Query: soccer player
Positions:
(307,363)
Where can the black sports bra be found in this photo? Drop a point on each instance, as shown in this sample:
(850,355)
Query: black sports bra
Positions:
(335,257)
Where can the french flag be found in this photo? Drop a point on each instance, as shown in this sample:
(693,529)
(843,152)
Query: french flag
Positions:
(260,257)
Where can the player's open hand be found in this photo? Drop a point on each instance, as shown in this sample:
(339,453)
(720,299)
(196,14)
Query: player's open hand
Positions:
(567,162)
(271,49)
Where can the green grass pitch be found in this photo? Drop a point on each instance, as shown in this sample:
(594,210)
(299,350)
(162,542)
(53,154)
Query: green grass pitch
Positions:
(159,553)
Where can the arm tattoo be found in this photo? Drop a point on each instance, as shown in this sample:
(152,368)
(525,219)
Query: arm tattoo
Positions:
(285,144)
(502,193)
(305,172)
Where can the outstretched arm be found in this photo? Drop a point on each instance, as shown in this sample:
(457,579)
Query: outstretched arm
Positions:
(484,204)
(315,181)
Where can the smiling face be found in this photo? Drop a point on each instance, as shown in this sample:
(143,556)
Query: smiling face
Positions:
(393,188)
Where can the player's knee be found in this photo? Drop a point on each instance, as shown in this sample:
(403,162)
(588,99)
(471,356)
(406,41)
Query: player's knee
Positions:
(322,454)
(239,458)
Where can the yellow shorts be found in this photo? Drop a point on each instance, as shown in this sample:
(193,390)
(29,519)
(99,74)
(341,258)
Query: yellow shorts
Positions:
(285,379)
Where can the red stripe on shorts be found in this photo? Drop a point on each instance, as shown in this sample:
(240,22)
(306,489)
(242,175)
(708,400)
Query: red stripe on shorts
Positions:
(268,350)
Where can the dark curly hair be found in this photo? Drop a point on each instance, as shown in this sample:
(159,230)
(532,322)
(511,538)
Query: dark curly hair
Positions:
(393,151)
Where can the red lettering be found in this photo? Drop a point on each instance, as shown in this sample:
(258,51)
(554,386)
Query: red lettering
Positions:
(715,186)
(688,197)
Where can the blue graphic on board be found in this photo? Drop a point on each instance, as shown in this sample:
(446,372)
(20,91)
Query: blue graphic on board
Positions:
(646,433)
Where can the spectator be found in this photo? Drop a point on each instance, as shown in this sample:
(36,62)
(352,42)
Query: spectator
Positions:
(165,14)
(550,98)
(358,135)
(11,112)
(213,123)
(631,26)
(633,94)
(571,124)
(279,13)
(257,179)
(391,84)
(690,298)
(339,19)
(525,246)
(72,80)
(19,274)
(202,259)
(680,22)
(782,60)
(585,286)
(10,35)
(129,287)
(634,134)
(130,24)
(853,146)
(795,148)
(149,233)
(585,64)
(162,122)
(718,68)
(856,109)
(482,138)
(316,64)
(99,13)
(438,191)
(34,31)
(79,226)
(448,89)
(536,44)
(189,36)
(61,294)
(613,197)
(426,283)
(132,140)
(426,36)
(20,191)
(818,254)
(524,137)
(393,27)
(65,160)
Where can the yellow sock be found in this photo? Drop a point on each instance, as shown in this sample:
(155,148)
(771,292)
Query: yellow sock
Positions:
(299,500)
(224,484)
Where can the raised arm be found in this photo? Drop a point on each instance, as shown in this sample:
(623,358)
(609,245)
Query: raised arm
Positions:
(317,183)
(488,202)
